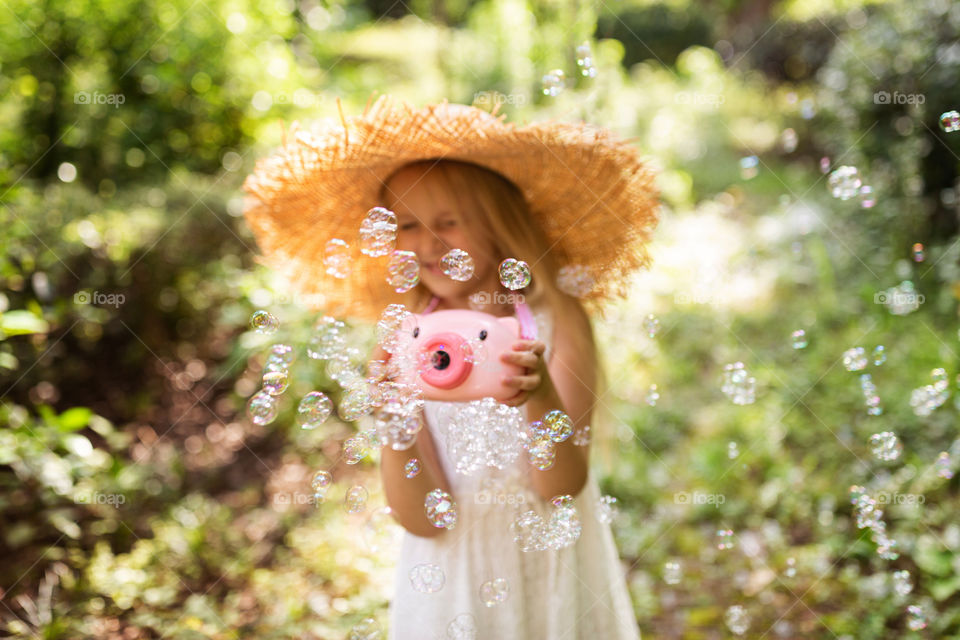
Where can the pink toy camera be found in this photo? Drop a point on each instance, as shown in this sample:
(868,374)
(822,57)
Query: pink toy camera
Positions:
(454,355)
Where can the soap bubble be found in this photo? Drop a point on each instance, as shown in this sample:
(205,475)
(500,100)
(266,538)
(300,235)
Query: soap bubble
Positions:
(748,167)
(870,395)
(327,339)
(394,318)
(457,265)
(902,585)
(844,183)
(918,254)
(336,257)
(738,384)
(542,453)
(564,527)
(855,359)
(581,436)
(355,500)
(356,402)
(529,531)
(427,578)
(275,382)
(411,468)
(378,232)
(262,408)
(725,539)
(398,421)
(280,358)
(474,351)
(651,325)
(320,483)
(575,280)
(732,450)
(403,271)
(879,355)
(886,446)
(514,274)
(737,619)
(950,121)
(366,629)
(606,509)
(585,60)
(493,592)
(791,569)
(652,396)
(924,400)
(788,140)
(824,164)
(484,433)
(441,510)
(866,196)
(944,465)
(916,618)
(559,425)
(672,572)
(354,450)
(346,367)
(799,339)
(264,322)
(463,627)
(553,82)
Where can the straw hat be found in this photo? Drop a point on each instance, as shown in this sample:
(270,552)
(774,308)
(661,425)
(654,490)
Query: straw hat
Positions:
(591,194)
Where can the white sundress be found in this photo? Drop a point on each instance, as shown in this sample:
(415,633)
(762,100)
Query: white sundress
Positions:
(575,593)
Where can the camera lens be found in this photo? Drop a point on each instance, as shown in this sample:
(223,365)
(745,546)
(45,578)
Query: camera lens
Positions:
(441,360)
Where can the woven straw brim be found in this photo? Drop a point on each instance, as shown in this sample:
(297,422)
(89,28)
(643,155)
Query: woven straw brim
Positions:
(591,194)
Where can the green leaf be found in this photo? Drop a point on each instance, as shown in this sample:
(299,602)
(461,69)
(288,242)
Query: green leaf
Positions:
(73,419)
(20,322)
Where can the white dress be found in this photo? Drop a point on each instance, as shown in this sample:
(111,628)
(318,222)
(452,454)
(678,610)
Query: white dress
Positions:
(575,593)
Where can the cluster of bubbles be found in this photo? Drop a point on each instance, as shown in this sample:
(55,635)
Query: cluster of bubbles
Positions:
(493,592)
(791,569)
(886,446)
(725,539)
(575,280)
(463,627)
(944,465)
(798,339)
(484,433)
(355,499)
(403,271)
(901,299)
(440,508)
(651,324)
(336,258)
(737,619)
(738,384)
(378,232)
(855,359)
(926,399)
(514,274)
(581,436)
(916,618)
(844,182)
(553,82)
(457,265)
(870,515)
(540,438)
(264,322)
(399,419)
(606,509)
(672,572)
(366,629)
(562,530)
(733,451)
(427,578)
(320,482)
(652,395)
(262,406)
(870,396)
(585,60)
(902,585)
(748,167)
(950,121)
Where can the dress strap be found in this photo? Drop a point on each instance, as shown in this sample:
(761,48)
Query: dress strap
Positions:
(528,324)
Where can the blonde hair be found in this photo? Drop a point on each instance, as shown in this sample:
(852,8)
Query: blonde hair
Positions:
(503,221)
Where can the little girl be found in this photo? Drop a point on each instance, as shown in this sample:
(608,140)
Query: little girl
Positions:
(578,207)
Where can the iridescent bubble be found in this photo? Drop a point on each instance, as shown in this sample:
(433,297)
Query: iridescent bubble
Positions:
(275,382)
(366,629)
(585,60)
(748,167)
(606,509)
(558,424)
(844,183)
(879,355)
(440,508)
(346,367)
(327,339)
(824,164)
(354,450)
(944,465)
(575,280)
(867,197)
(738,384)
(411,468)
(427,578)
(799,339)
(493,592)
(280,358)
(463,627)
(652,396)
(855,359)
(916,618)
(902,585)
(264,322)
(529,531)
(336,258)
(725,539)
(950,121)
(457,265)
(886,446)
(514,274)
(791,569)
(484,433)
(392,320)
(651,325)
(398,422)
(870,395)
(542,453)
(403,271)
(672,572)
(262,408)
(553,82)
(378,232)
(788,140)
(320,483)
(356,402)
(581,436)
(737,619)
(355,500)
(733,451)
(564,527)
(918,254)
(474,351)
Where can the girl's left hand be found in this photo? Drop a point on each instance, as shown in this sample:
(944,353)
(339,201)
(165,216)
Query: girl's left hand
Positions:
(527,354)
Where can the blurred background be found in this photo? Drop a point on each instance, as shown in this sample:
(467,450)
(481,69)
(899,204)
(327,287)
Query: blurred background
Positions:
(138,499)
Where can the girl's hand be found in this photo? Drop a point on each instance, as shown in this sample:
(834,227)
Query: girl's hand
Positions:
(535,379)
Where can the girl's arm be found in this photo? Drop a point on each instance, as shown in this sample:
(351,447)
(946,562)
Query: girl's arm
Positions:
(406,496)
(567,383)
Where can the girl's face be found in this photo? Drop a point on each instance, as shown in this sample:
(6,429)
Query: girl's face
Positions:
(430,224)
